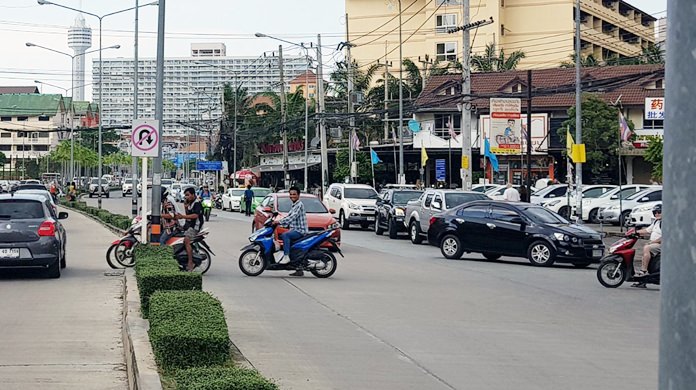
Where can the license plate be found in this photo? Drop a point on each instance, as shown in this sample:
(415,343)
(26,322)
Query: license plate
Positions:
(9,253)
(370,218)
(597,253)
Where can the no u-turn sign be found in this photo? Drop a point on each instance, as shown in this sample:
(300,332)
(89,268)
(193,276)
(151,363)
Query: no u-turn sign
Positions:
(145,138)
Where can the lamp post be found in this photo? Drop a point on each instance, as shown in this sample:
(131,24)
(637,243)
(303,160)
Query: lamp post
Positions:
(72,91)
(101,65)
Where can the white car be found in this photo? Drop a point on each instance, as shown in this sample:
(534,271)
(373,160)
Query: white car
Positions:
(617,213)
(642,215)
(232,199)
(4,186)
(497,192)
(127,187)
(590,206)
(167,183)
(565,205)
(354,203)
(549,193)
(94,187)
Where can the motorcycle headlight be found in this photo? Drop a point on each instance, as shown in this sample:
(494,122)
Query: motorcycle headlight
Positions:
(561,237)
(399,212)
(353,206)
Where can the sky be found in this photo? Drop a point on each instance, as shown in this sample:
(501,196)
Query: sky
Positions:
(231,22)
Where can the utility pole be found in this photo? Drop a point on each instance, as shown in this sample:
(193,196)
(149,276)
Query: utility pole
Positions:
(351,119)
(159,114)
(134,162)
(234,140)
(466,111)
(402,174)
(427,61)
(578,110)
(283,116)
(528,182)
(322,126)
(386,66)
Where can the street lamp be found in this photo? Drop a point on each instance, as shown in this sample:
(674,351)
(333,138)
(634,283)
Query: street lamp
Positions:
(72,91)
(101,89)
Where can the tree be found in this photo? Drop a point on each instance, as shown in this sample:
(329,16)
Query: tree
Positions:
(168,166)
(489,61)
(362,79)
(654,155)
(589,61)
(3,159)
(343,168)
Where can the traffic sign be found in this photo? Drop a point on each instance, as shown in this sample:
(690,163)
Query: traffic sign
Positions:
(145,138)
(209,165)
(440,170)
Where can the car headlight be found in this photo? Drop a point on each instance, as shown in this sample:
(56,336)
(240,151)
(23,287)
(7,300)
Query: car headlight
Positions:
(643,209)
(399,212)
(353,206)
(561,237)
(335,225)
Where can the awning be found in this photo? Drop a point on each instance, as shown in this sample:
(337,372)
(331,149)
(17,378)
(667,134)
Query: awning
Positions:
(279,167)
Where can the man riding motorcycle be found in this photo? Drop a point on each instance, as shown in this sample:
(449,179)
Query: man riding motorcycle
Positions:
(653,248)
(296,222)
(205,193)
(194,211)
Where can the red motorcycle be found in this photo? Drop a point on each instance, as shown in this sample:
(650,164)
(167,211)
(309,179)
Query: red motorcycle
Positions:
(617,266)
(121,249)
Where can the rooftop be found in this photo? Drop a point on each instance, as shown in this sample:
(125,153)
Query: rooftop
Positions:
(30,104)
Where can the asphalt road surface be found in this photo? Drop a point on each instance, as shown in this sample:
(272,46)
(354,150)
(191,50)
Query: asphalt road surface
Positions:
(399,316)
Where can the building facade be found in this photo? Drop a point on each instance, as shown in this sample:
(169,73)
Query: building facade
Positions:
(543,30)
(193,87)
(307,82)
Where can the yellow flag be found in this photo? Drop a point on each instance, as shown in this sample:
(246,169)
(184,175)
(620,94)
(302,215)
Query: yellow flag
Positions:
(424,156)
(569,144)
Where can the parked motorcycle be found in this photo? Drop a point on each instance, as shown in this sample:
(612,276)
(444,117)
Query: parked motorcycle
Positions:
(207,204)
(122,248)
(202,254)
(617,266)
(217,199)
(262,255)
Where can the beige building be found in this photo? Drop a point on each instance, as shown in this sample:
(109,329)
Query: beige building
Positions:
(307,82)
(544,30)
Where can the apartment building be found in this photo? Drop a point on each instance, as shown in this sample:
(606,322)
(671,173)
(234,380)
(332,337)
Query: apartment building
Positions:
(543,30)
(193,86)
(307,82)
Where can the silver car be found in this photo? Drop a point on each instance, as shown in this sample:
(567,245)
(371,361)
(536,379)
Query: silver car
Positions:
(31,235)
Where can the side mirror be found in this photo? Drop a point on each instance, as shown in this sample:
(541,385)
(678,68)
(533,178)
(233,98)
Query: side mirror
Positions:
(338,196)
(332,211)
(436,205)
(62,215)
(645,199)
(517,220)
(613,197)
(552,195)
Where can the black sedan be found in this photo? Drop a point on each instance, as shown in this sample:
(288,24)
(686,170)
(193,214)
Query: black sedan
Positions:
(496,229)
(391,206)
(31,235)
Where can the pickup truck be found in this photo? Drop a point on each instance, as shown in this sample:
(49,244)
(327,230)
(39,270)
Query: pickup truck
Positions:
(94,187)
(433,201)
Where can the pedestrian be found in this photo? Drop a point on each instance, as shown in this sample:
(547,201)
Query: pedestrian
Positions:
(511,194)
(524,194)
(248,197)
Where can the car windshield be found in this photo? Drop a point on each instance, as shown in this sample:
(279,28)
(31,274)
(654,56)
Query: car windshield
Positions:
(360,193)
(96,181)
(21,209)
(260,192)
(167,182)
(637,195)
(454,199)
(128,181)
(542,215)
(239,192)
(311,205)
(403,197)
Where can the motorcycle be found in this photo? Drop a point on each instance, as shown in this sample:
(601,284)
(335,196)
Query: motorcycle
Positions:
(202,254)
(218,201)
(122,248)
(617,266)
(262,255)
(207,204)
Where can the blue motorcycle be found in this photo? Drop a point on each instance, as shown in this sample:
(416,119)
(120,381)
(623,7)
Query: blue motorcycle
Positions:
(262,255)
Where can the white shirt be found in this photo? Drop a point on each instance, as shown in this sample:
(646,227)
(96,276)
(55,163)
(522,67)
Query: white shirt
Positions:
(655,230)
(511,195)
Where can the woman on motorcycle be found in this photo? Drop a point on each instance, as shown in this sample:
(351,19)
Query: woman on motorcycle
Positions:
(654,247)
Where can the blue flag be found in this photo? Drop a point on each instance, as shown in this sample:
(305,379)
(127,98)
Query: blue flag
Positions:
(375,158)
(491,157)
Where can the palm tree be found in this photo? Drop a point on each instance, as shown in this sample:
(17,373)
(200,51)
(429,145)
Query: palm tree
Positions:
(490,62)
(653,54)
(362,79)
(585,62)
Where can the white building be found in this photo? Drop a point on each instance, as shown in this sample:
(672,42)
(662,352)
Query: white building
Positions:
(79,40)
(193,86)
(208,50)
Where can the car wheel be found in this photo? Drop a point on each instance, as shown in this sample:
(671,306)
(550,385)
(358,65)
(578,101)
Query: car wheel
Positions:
(345,225)
(451,247)
(107,194)
(123,194)
(63,262)
(393,231)
(378,229)
(364,225)
(491,256)
(594,216)
(414,232)
(53,270)
(564,212)
(541,253)
(625,218)
(90,194)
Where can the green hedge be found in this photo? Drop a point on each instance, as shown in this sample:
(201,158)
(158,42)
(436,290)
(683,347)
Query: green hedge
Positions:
(156,269)
(222,378)
(188,329)
(120,221)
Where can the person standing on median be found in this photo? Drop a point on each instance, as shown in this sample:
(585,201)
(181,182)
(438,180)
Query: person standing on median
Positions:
(511,194)
(248,198)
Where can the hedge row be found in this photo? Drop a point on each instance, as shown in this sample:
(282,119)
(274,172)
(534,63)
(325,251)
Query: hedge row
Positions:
(156,269)
(222,378)
(120,221)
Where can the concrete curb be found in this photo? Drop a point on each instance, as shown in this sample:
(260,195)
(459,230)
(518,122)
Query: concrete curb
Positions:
(112,228)
(140,360)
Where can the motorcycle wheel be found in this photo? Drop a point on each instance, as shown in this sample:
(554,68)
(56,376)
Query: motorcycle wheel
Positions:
(251,263)
(205,264)
(110,260)
(207,215)
(330,266)
(124,255)
(609,276)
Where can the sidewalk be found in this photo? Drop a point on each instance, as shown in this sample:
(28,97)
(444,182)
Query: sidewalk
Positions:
(64,333)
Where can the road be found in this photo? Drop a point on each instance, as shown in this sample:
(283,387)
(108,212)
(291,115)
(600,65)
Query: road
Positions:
(399,316)
(64,333)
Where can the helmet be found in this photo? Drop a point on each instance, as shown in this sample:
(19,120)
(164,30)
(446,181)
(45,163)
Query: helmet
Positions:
(657,209)
(165,193)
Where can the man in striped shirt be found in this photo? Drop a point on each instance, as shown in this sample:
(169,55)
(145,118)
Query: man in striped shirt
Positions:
(296,222)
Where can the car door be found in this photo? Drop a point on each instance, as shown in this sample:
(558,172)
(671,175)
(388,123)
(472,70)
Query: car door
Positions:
(424,214)
(471,226)
(506,232)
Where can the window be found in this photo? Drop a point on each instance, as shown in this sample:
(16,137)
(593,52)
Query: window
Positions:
(441,128)
(40,148)
(43,134)
(594,192)
(445,22)
(454,199)
(659,84)
(43,118)
(448,2)
(478,211)
(6,118)
(6,134)
(652,197)
(23,147)
(438,199)
(503,214)
(22,209)
(558,192)
(5,148)
(428,200)
(653,124)
(311,205)
(22,118)
(446,51)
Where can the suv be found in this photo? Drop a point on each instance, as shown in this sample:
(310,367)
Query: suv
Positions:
(354,203)
(94,187)
(32,236)
(127,187)
(391,210)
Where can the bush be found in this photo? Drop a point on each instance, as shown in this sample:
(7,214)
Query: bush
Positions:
(188,329)
(222,378)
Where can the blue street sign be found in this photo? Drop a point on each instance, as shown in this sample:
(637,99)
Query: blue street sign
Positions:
(440,169)
(209,165)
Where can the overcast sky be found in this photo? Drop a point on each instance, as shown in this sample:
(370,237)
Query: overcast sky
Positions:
(232,22)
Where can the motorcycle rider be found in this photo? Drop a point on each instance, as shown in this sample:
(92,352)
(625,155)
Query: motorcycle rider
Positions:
(653,248)
(194,212)
(296,222)
(205,193)
(169,223)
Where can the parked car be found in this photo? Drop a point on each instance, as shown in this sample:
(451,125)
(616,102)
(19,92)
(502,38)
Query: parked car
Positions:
(166,183)
(127,187)
(617,213)
(30,186)
(43,193)
(354,203)
(642,215)
(108,178)
(232,199)
(564,206)
(590,207)
(391,210)
(94,187)
(497,192)
(32,235)
(495,229)
(259,194)
(420,211)
(5,186)
(548,193)
(319,218)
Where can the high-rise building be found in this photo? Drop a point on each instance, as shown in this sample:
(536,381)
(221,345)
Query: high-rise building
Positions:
(208,50)
(79,40)
(543,30)
(193,87)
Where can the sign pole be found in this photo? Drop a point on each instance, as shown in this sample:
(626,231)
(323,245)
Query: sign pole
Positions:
(143,202)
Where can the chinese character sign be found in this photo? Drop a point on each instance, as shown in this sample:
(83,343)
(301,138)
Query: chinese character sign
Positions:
(505,135)
(655,108)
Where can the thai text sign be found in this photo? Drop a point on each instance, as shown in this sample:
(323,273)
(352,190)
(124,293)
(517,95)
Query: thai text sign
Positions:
(505,133)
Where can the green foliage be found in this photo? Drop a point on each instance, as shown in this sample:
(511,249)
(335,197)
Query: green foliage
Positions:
(654,156)
(343,167)
(489,61)
(188,329)
(222,378)
(3,158)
